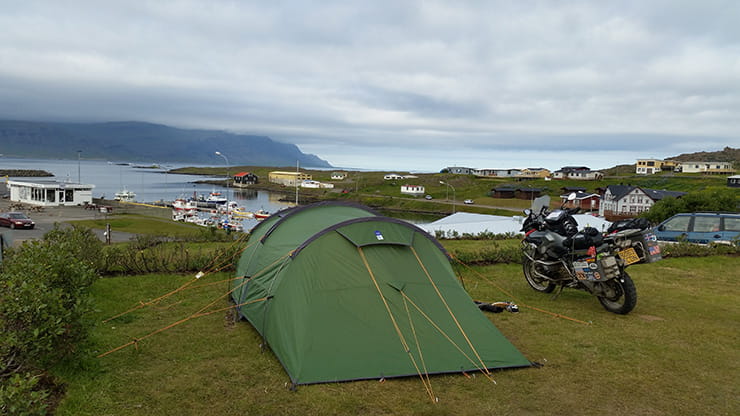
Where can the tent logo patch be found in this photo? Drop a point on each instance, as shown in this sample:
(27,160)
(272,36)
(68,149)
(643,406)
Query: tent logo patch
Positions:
(378,235)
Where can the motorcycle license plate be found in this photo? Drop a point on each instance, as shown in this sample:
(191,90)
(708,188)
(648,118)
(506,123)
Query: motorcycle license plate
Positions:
(629,255)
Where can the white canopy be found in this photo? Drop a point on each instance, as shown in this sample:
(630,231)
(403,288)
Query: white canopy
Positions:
(474,224)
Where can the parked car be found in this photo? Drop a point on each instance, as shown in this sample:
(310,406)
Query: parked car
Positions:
(16,220)
(700,227)
(469,201)
(428,197)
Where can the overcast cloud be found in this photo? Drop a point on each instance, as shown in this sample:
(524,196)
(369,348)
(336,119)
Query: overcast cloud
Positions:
(405,85)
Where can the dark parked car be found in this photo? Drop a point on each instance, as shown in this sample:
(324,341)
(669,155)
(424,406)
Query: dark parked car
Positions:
(16,220)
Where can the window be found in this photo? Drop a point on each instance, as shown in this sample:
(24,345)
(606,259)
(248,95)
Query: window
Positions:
(732,224)
(678,224)
(706,224)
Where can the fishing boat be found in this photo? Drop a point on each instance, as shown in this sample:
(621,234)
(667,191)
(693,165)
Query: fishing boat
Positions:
(261,214)
(125,195)
(182,204)
(216,198)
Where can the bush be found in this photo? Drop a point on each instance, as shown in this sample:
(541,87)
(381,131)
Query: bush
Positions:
(713,200)
(685,249)
(490,254)
(483,235)
(21,395)
(171,257)
(44,311)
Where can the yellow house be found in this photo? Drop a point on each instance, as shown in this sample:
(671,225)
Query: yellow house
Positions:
(534,173)
(648,166)
(288,178)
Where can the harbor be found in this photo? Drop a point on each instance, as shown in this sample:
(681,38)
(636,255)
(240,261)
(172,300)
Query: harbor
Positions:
(115,186)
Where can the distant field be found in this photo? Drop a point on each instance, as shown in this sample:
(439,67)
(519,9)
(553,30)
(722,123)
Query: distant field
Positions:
(371,189)
(678,353)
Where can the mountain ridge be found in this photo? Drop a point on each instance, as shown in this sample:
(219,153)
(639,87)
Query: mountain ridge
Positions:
(138,141)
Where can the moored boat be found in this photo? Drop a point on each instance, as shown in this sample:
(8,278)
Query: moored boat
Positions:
(216,198)
(125,195)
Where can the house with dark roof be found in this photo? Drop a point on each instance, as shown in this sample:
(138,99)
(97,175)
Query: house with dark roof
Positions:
(505,191)
(733,181)
(623,201)
(529,193)
(577,172)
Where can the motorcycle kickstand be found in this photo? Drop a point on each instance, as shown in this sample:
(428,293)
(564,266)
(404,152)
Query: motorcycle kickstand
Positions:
(558,292)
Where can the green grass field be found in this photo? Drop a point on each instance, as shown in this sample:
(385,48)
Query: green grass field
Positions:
(677,353)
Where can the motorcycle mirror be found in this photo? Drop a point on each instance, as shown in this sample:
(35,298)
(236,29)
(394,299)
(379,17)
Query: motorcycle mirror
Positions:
(527,212)
(541,202)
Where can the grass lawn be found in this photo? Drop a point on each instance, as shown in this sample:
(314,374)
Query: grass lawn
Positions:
(677,353)
(144,224)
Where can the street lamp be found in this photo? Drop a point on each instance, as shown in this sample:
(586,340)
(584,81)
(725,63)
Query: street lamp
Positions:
(453,194)
(79,178)
(227,172)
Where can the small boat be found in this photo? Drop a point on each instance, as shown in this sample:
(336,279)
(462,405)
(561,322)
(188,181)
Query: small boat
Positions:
(181,204)
(241,213)
(125,195)
(261,214)
(216,198)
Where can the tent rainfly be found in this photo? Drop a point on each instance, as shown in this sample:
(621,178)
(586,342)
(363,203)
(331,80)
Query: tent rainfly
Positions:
(341,293)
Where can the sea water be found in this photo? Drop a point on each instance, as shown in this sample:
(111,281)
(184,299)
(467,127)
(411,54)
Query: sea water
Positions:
(149,183)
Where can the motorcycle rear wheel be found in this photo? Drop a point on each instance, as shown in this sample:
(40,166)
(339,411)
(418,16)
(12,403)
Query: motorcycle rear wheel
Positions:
(537,283)
(623,296)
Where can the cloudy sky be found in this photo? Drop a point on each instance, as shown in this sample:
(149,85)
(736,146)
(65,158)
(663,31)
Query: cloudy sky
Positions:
(389,84)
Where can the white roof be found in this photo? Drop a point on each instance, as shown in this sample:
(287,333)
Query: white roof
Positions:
(467,223)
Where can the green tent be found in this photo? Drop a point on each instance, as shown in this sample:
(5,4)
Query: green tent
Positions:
(341,293)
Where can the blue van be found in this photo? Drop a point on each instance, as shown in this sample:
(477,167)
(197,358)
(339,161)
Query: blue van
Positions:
(700,227)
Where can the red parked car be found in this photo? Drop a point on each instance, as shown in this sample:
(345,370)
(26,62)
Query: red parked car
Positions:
(16,220)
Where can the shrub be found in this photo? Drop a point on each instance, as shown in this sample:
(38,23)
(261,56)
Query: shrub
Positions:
(685,249)
(171,257)
(712,200)
(21,394)
(490,254)
(44,311)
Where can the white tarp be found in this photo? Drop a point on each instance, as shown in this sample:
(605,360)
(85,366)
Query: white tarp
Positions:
(474,224)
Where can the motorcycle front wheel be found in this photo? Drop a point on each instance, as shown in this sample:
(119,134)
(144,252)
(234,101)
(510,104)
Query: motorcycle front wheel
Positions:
(537,283)
(621,295)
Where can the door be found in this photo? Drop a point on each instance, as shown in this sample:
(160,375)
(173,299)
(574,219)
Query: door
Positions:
(706,229)
(674,228)
(731,229)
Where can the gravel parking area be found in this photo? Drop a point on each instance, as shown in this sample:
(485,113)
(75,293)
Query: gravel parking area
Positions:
(48,216)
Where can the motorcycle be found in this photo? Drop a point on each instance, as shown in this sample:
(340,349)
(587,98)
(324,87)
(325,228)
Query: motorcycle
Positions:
(556,254)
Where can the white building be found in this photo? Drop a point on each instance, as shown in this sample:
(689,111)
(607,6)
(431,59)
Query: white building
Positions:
(502,173)
(338,176)
(50,193)
(415,190)
(627,200)
(722,168)
(316,185)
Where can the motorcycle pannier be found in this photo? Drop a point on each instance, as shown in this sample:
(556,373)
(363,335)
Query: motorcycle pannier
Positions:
(637,246)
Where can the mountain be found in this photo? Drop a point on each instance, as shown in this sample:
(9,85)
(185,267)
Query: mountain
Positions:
(728,154)
(146,142)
